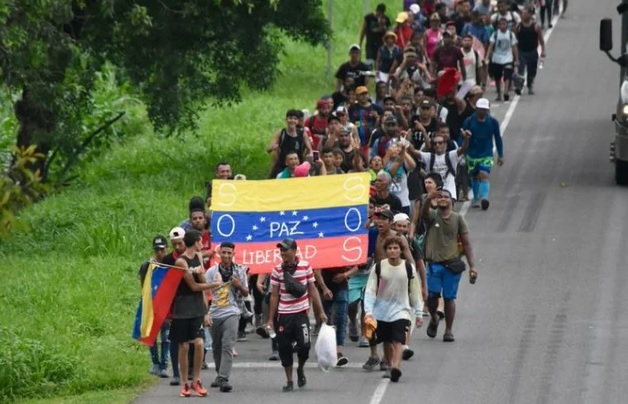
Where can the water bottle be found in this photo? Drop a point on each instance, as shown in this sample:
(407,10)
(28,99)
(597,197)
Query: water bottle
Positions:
(541,63)
(271,332)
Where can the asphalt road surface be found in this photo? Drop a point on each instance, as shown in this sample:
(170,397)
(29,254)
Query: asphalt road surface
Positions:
(543,324)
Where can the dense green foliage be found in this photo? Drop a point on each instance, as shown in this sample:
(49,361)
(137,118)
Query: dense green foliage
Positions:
(69,288)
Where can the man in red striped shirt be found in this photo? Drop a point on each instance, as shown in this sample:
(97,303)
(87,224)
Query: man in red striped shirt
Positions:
(292,288)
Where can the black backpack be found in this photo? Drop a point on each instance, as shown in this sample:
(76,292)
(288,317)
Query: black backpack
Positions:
(450,167)
(378,272)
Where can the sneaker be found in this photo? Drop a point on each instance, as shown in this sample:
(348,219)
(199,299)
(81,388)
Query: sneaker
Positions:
(518,91)
(217,382)
(407,354)
(383,366)
(364,343)
(371,363)
(342,360)
(225,386)
(288,387)
(484,204)
(395,374)
(154,370)
(241,336)
(386,374)
(163,373)
(301,380)
(199,389)
(176,381)
(506,97)
(204,365)
(185,390)
(475,203)
(353,332)
(274,356)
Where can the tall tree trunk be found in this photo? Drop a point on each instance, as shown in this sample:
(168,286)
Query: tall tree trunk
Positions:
(36,125)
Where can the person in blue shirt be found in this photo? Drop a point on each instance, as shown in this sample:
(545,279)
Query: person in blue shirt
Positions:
(476,28)
(483,128)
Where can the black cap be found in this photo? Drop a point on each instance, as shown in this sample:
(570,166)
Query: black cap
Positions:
(287,244)
(159,242)
(384,213)
(391,119)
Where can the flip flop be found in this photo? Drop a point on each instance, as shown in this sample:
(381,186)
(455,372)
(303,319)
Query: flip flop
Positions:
(432,328)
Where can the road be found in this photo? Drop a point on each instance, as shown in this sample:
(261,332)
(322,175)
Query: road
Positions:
(543,324)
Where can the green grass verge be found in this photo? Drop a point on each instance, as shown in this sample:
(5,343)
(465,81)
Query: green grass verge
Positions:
(69,288)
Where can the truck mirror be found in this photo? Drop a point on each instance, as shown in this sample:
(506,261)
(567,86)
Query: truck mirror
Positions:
(606,35)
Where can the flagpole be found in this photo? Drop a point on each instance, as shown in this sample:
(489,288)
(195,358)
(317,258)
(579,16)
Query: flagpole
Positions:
(169,266)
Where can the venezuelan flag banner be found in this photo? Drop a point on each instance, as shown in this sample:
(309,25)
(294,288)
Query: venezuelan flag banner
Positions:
(160,286)
(326,215)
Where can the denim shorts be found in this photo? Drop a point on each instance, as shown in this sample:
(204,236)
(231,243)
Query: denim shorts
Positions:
(442,282)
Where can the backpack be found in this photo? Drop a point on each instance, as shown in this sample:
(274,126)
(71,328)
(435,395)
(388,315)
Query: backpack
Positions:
(511,22)
(494,36)
(378,272)
(450,167)
(300,135)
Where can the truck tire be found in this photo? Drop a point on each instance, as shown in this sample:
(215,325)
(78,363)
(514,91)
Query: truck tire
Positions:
(621,172)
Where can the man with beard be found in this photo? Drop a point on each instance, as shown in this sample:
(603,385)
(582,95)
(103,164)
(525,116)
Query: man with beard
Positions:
(318,123)
(343,142)
(391,134)
(444,266)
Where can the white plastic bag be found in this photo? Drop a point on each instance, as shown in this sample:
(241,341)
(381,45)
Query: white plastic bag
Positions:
(326,347)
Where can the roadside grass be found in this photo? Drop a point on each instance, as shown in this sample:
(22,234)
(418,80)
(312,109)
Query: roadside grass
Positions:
(69,287)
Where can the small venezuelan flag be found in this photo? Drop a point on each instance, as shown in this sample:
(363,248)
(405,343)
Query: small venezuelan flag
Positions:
(160,287)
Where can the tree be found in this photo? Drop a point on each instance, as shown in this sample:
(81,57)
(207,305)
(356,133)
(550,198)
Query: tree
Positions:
(177,54)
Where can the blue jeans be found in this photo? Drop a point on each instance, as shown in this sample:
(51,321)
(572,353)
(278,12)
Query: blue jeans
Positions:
(340,305)
(165,347)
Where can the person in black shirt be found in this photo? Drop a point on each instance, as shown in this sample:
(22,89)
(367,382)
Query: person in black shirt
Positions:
(189,311)
(353,68)
(383,197)
(334,286)
(374,27)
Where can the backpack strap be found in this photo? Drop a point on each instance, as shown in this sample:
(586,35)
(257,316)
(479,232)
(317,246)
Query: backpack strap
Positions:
(409,274)
(432,158)
(378,273)
(450,166)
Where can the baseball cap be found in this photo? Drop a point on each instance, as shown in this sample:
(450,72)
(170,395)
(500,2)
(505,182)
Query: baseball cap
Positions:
(483,103)
(177,233)
(287,244)
(401,217)
(426,103)
(355,47)
(361,90)
(159,242)
(384,213)
(341,110)
(302,170)
(391,119)
(402,17)
(415,8)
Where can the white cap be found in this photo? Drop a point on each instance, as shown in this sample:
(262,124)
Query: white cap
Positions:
(355,46)
(177,233)
(483,103)
(401,217)
(415,8)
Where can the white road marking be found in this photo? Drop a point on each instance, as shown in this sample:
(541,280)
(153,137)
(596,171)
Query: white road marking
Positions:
(378,395)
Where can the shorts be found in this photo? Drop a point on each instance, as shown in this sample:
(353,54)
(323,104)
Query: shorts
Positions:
(440,280)
(497,71)
(477,164)
(357,283)
(395,331)
(293,335)
(186,329)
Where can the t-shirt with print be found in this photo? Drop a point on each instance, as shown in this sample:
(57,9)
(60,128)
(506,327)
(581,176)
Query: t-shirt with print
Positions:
(226,297)
(289,304)
(399,185)
(356,72)
(502,51)
(441,243)
(440,166)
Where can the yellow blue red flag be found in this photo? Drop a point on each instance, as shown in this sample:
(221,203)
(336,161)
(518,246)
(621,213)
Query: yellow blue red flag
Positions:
(326,215)
(158,291)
